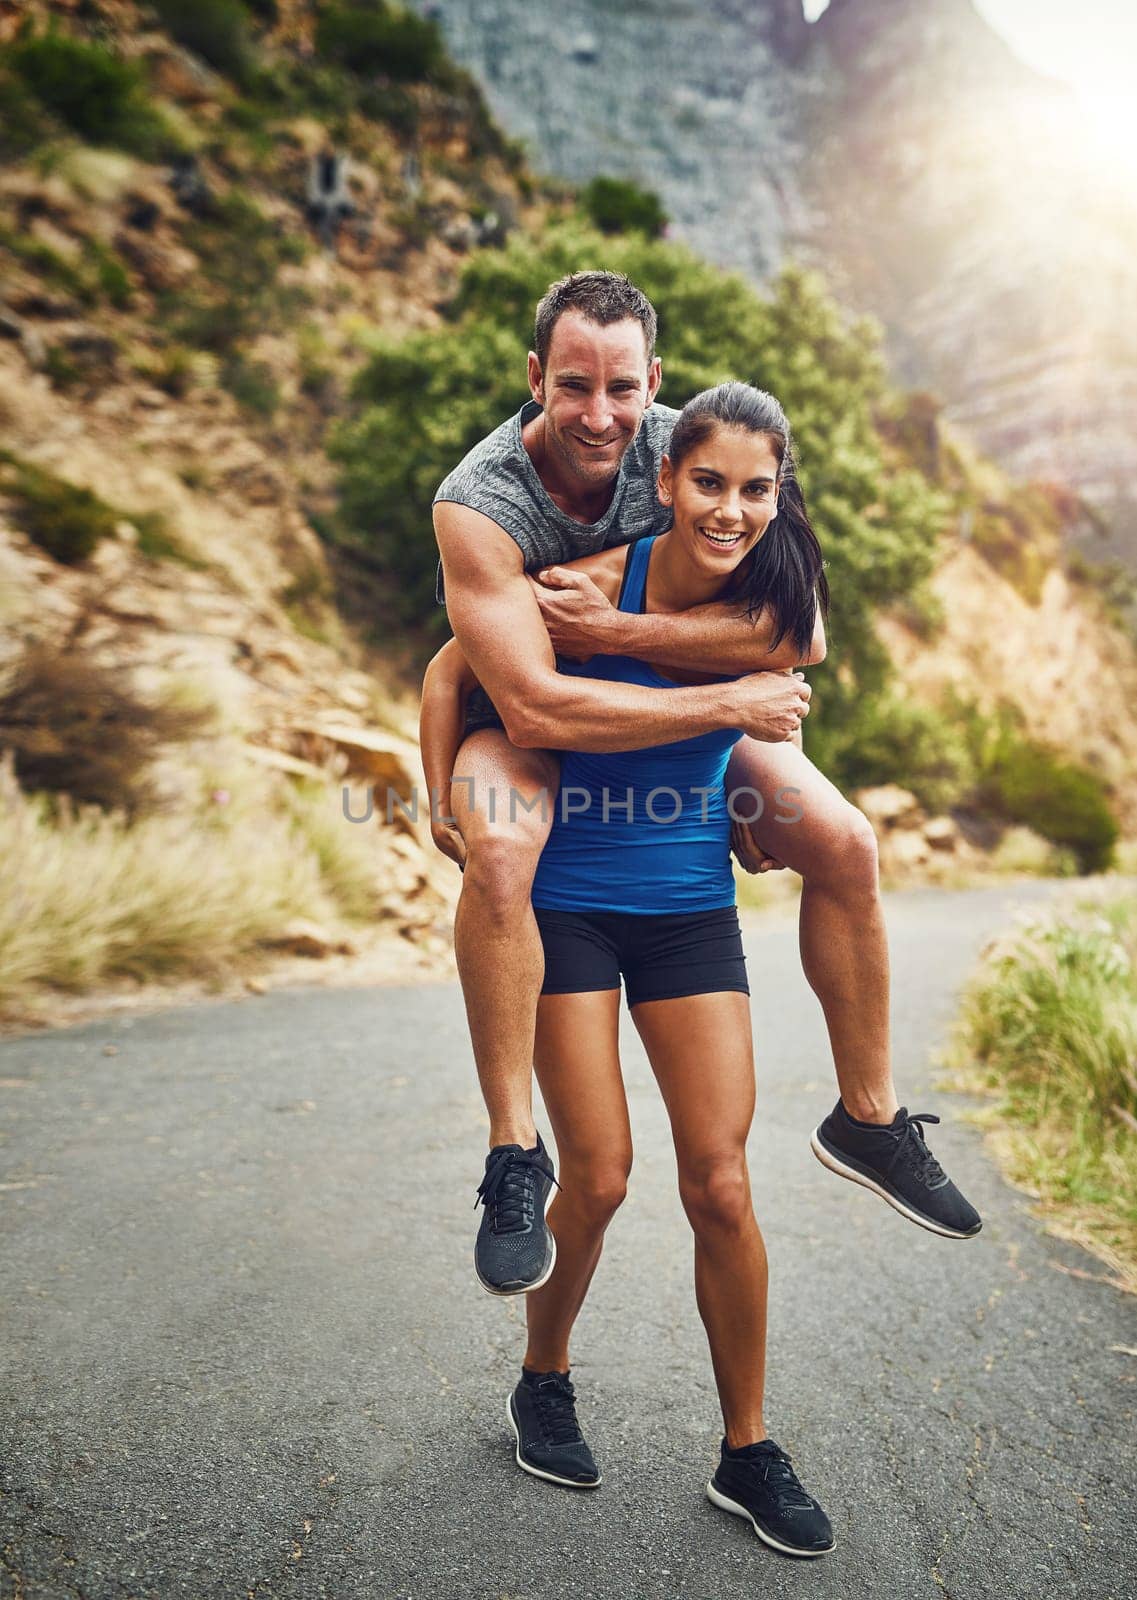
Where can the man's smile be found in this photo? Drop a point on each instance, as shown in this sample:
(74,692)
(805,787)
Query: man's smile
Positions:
(595,444)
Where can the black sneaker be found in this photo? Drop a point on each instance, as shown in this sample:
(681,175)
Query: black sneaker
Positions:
(515,1251)
(758,1482)
(894,1162)
(542,1414)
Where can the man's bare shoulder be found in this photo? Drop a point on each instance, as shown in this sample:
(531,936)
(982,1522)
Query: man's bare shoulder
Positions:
(469,541)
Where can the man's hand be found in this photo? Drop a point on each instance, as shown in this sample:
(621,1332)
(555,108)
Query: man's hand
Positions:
(449,840)
(771,705)
(579,616)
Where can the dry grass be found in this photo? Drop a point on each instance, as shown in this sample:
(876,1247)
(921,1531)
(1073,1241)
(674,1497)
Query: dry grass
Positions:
(88,896)
(1048,1032)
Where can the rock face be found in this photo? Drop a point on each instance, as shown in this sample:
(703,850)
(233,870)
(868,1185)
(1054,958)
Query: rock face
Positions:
(901,148)
(681,96)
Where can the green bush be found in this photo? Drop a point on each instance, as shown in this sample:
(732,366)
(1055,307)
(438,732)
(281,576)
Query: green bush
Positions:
(1064,802)
(25,124)
(98,274)
(1049,1026)
(376,38)
(98,95)
(252,385)
(891,740)
(1022,780)
(616,206)
(66,521)
(216,30)
(235,295)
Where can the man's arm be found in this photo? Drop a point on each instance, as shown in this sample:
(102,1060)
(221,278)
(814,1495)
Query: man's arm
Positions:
(496,620)
(581,621)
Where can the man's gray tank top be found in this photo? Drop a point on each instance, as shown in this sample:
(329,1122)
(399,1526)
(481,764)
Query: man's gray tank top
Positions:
(498,479)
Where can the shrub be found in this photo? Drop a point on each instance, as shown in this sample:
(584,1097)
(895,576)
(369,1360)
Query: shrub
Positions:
(66,521)
(98,95)
(252,384)
(236,294)
(1022,780)
(379,39)
(158,542)
(109,273)
(1049,1026)
(616,206)
(216,30)
(897,741)
(98,274)
(25,124)
(76,728)
(1034,785)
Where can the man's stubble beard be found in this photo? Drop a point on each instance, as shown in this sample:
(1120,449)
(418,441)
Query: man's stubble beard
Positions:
(578,464)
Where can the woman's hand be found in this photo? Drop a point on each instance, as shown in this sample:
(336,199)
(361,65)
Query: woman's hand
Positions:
(449,840)
(578,615)
(749,853)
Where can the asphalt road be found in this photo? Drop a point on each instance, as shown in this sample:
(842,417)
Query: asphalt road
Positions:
(244,1354)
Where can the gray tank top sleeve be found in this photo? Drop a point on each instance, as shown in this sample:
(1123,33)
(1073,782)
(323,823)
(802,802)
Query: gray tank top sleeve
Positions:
(498,479)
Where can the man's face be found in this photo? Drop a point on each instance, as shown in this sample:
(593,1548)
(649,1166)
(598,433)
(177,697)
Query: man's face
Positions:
(596,386)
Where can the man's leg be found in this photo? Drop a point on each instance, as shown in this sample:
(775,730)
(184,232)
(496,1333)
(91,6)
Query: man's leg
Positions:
(844,945)
(844,952)
(502,799)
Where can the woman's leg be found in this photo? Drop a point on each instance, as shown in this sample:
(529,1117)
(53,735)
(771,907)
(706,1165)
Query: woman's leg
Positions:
(702,1055)
(578,1068)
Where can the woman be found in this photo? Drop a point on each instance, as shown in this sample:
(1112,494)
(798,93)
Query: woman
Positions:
(636,881)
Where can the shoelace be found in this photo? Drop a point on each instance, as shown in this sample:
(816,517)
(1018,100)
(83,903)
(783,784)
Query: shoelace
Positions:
(509,1187)
(780,1475)
(554,1399)
(928,1168)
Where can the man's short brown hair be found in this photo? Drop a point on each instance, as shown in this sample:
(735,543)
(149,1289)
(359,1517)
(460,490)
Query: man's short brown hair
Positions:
(602,297)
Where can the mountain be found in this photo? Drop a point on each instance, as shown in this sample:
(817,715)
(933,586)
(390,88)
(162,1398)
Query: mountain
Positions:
(938,182)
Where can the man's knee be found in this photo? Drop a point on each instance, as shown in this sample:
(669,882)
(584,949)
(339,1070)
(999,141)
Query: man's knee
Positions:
(500,864)
(843,849)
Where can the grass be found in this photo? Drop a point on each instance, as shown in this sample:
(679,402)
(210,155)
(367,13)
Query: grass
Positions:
(67,521)
(1048,1033)
(97,274)
(88,897)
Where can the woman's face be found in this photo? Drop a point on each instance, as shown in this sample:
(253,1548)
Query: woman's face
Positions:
(725,495)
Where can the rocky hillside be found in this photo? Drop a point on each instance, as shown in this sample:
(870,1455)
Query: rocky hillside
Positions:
(177,329)
(901,148)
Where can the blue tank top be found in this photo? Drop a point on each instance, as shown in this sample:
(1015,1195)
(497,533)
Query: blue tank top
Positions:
(641,831)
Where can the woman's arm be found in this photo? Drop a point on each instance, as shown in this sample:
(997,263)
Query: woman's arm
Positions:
(445,689)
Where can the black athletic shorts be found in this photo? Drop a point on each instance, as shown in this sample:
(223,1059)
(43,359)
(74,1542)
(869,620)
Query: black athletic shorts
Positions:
(660,957)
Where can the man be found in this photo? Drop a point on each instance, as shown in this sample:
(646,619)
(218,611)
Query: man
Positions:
(575,472)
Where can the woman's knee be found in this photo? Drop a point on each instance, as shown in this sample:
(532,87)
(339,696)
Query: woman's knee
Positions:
(716,1193)
(597,1189)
